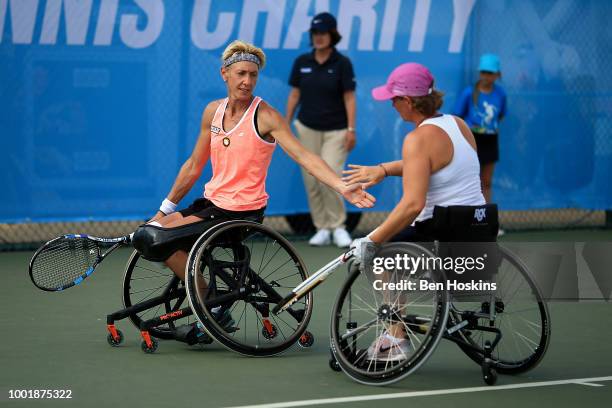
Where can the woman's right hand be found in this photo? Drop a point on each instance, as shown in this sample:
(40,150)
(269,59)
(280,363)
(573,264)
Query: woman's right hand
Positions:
(366,175)
(156,217)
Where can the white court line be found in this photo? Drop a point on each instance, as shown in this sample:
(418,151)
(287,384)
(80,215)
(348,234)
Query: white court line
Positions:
(411,394)
(590,384)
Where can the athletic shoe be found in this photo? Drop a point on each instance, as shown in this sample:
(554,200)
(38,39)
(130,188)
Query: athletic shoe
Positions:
(501,232)
(388,348)
(321,238)
(224,318)
(194,333)
(342,239)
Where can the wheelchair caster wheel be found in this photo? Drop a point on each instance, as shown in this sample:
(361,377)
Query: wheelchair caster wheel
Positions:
(115,341)
(306,340)
(270,332)
(489,375)
(333,364)
(147,349)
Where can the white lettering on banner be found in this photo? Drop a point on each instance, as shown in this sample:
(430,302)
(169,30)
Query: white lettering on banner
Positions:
(419,25)
(23,19)
(300,22)
(106,22)
(364,10)
(275,9)
(200,36)
(389,25)
(462,9)
(135,38)
(143,28)
(76,17)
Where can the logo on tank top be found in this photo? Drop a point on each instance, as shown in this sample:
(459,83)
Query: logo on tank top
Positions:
(215,129)
(480,214)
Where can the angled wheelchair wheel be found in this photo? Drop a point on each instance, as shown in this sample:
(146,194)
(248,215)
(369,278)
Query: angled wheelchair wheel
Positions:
(365,310)
(144,280)
(517,309)
(236,273)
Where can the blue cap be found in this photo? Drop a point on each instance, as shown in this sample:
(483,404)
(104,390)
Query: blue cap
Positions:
(323,22)
(489,62)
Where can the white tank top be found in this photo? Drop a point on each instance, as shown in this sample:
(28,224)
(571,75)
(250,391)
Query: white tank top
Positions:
(458,183)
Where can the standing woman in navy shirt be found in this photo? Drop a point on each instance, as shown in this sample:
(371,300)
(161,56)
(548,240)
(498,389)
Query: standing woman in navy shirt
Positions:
(323,85)
(483,106)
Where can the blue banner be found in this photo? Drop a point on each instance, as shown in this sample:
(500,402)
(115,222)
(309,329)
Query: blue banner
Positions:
(101,100)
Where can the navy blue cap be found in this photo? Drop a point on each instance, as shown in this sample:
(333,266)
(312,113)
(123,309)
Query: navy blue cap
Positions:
(324,22)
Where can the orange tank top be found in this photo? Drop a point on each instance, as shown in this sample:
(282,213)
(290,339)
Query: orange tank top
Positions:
(240,159)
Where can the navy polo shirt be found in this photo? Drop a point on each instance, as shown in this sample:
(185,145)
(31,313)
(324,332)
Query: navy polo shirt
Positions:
(322,87)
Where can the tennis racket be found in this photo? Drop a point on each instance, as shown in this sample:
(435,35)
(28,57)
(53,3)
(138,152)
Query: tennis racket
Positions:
(67,260)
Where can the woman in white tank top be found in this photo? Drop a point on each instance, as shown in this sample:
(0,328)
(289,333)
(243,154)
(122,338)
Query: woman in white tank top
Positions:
(439,167)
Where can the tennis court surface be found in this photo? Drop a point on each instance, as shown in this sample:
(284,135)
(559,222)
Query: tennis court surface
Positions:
(58,341)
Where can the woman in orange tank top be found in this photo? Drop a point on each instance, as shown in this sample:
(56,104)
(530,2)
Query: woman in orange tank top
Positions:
(238,135)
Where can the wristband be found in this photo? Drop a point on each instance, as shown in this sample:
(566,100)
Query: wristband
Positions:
(385,170)
(167,207)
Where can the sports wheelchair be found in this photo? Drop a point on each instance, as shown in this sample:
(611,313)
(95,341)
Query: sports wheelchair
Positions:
(242,267)
(504,330)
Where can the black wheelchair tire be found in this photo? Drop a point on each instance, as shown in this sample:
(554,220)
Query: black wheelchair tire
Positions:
(523,365)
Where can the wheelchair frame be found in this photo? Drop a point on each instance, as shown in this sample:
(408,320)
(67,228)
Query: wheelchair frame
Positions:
(150,328)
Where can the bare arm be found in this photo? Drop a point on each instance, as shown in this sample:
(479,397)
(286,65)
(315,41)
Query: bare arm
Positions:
(192,168)
(415,181)
(271,122)
(371,175)
(292,103)
(351,107)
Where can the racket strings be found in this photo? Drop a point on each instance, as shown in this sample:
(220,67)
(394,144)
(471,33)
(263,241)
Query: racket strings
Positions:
(64,261)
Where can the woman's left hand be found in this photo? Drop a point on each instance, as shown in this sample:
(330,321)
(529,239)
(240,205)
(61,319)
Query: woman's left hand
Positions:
(357,196)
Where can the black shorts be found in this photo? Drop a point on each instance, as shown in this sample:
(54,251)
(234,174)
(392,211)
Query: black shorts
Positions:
(212,215)
(488,147)
(157,243)
(205,209)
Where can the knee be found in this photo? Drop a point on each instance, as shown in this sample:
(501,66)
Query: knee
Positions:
(150,242)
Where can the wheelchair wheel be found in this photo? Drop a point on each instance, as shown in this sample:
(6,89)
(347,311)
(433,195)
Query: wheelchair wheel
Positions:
(364,311)
(520,314)
(144,280)
(236,273)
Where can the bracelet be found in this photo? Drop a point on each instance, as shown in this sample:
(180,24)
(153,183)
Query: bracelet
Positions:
(167,207)
(385,170)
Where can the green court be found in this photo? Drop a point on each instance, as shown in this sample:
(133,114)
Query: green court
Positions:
(58,341)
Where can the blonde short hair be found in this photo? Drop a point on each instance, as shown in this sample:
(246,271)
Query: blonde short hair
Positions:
(244,47)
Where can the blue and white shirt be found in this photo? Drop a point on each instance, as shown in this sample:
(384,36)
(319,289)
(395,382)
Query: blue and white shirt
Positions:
(485,115)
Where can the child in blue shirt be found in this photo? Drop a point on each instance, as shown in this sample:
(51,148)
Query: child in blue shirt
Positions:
(483,106)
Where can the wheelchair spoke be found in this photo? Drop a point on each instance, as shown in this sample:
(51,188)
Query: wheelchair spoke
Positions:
(160,274)
(359,329)
(285,263)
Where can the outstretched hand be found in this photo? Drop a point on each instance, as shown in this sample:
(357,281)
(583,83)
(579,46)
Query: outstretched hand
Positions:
(366,175)
(356,195)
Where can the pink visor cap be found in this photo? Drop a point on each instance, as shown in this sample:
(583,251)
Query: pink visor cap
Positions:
(409,79)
